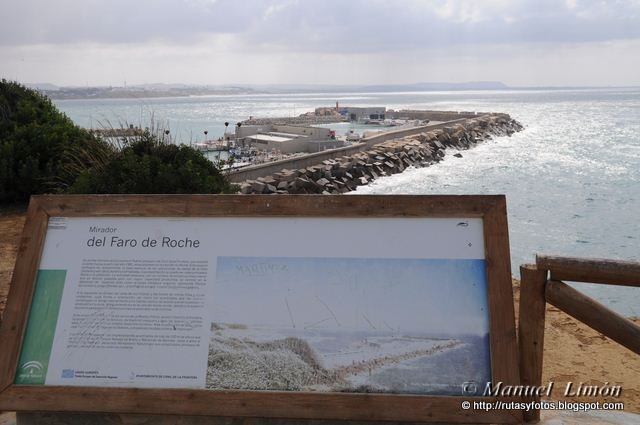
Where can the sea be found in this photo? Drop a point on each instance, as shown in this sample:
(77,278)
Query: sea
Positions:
(571,178)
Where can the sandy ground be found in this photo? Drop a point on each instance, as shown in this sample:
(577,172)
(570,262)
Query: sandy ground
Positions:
(573,352)
(11,223)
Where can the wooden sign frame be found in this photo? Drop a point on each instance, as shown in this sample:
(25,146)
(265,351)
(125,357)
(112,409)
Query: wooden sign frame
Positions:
(264,404)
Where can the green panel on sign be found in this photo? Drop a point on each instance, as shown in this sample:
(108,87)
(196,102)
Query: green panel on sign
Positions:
(41,327)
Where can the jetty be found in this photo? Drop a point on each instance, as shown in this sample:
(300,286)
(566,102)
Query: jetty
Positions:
(118,132)
(343,169)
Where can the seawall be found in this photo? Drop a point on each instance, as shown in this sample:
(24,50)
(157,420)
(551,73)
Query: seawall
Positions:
(342,170)
(261,170)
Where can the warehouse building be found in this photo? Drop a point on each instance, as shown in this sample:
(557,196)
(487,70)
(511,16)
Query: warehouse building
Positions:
(286,138)
(358,114)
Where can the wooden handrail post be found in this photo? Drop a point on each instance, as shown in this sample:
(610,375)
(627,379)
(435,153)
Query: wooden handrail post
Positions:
(594,270)
(594,314)
(531,330)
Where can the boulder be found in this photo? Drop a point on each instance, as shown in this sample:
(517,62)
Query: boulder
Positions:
(322,182)
(245,188)
(257,186)
(302,182)
(267,180)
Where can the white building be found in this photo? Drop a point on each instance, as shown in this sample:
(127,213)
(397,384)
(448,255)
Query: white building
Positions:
(358,114)
(286,138)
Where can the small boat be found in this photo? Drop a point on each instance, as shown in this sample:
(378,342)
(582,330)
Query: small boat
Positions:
(352,136)
(211,146)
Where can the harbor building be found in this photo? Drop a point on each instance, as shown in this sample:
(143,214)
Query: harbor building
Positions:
(363,114)
(286,138)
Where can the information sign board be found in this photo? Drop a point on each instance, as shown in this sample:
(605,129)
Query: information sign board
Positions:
(307,307)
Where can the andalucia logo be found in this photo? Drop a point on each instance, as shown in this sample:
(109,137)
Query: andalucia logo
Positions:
(31,372)
(41,327)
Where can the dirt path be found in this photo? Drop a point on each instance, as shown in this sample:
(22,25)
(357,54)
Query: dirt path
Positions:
(11,223)
(573,352)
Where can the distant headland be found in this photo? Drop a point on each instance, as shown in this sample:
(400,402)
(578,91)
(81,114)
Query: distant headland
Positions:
(185,90)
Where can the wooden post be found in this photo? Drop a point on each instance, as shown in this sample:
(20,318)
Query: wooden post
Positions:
(594,270)
(531,330)
(592,313)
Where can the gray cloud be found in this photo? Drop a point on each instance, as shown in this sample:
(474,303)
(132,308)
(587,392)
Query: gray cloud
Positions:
(521,42)
(364,25)
(121,21)
(320,25)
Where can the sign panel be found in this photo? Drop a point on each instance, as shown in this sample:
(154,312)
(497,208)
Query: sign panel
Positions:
(118,300)
(323,301)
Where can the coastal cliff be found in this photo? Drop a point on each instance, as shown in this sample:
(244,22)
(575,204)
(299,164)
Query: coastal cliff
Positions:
(344,174)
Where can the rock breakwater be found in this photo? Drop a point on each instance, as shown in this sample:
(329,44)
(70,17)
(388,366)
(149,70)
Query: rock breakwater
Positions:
(346,173)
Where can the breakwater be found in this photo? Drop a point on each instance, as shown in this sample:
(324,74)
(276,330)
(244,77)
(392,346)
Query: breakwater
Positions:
(345,173)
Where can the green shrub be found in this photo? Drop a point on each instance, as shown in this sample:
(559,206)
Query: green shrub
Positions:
(148,165)
(35,139)
(43,151)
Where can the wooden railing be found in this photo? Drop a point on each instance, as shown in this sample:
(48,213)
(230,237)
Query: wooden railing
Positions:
(542,283)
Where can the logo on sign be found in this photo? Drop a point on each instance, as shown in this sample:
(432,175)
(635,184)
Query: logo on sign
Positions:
(68,373)
(32,369)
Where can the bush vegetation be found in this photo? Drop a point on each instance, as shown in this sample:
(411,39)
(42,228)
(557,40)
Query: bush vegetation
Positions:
(149,165)
(43,151)
(34,140)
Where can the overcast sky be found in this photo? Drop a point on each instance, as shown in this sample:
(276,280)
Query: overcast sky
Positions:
(518,42)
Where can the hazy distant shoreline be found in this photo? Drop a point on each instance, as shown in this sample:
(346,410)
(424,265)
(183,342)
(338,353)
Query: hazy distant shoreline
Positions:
(108,93)
(185,90)
(155,91)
